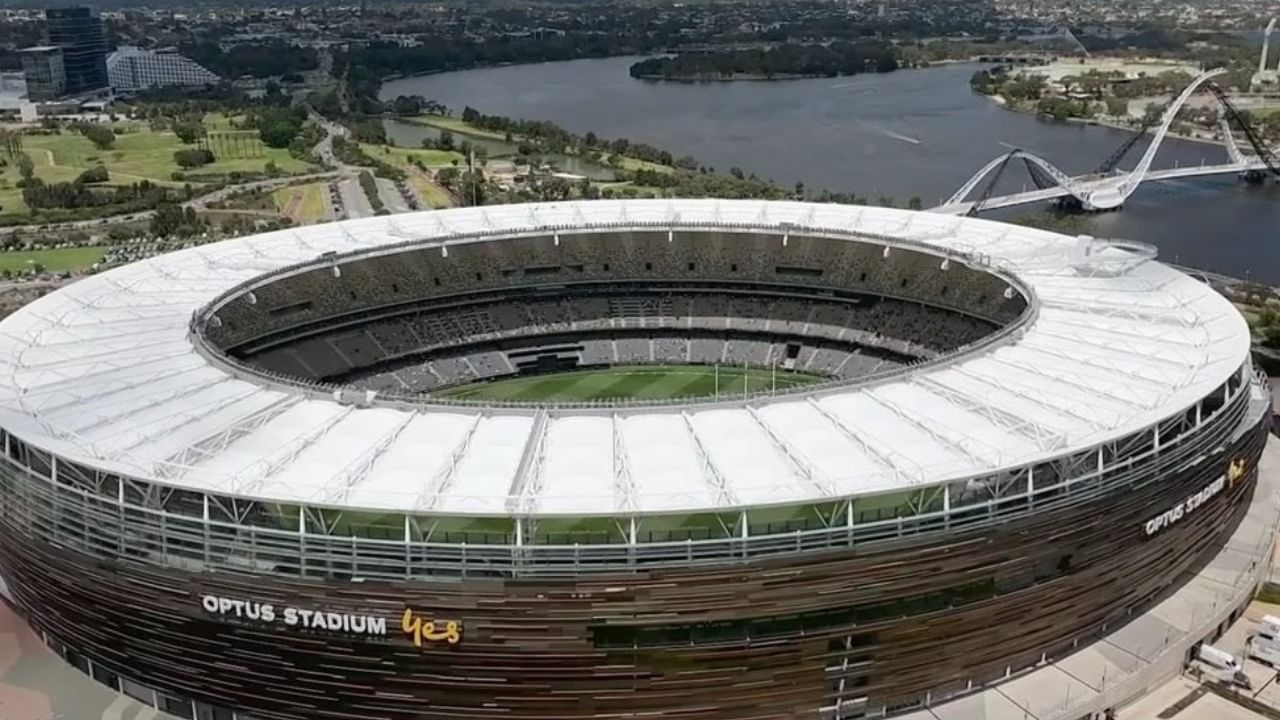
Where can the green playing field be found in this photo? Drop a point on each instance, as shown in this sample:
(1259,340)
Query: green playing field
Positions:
(640,382)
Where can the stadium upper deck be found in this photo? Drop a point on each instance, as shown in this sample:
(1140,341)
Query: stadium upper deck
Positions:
(105,373)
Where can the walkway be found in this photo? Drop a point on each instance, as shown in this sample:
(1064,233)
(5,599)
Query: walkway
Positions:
(36,684)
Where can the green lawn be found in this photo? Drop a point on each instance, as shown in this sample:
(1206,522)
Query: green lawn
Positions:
(59,260)
(646,382)
(141,155)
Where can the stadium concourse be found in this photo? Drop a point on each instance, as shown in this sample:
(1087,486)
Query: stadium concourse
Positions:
(249,479)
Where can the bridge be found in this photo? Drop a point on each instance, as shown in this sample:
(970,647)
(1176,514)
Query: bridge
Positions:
(1108,188)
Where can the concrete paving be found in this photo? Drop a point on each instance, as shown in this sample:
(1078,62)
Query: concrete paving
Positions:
(36,684)
(1160,705)
(355,202)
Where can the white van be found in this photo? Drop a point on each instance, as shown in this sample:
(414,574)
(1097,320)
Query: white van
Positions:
(1218,659)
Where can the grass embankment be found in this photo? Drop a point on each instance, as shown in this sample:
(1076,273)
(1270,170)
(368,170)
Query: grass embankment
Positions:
(647,382)
(458,127)
(406,156)
(60,260)
(302,203)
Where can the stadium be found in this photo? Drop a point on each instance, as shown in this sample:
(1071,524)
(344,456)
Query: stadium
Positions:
(670,459)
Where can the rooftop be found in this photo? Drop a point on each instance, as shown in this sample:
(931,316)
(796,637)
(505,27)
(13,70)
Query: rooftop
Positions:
(104,373)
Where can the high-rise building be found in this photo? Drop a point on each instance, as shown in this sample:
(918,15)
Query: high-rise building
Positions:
(42,68)
(131,69)
(84,47)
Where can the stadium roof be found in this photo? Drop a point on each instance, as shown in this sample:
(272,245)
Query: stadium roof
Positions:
(104,373)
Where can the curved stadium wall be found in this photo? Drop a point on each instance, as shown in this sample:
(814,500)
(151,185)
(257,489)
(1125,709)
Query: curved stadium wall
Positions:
(839,606)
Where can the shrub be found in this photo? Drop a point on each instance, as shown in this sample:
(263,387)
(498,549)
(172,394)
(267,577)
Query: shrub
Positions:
(192,158)
(100,135)
(96,174)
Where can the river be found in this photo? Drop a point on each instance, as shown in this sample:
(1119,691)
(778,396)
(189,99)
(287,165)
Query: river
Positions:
(902,134)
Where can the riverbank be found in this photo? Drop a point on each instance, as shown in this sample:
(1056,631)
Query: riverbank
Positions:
(1001,102)
(740,77)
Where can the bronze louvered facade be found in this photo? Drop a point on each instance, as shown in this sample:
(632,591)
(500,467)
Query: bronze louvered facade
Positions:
(863,627)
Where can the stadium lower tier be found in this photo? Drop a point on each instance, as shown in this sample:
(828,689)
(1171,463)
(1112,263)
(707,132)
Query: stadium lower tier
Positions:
(863,629)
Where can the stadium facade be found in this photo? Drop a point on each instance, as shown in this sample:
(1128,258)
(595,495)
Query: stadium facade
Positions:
(226,481)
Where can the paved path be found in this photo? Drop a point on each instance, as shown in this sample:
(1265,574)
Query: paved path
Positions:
(355,202)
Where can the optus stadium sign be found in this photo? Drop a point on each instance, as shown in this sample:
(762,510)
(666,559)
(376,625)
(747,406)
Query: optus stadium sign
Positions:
(416,627)
(1235,471)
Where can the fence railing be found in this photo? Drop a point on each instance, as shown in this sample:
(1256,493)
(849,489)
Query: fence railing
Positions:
(110,528)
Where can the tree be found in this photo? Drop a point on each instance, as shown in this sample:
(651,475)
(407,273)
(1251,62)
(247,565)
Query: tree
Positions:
(176,221)
(1117,107)
(278,133)
(915,203)
(446,140)
(26,168)
(188,132)
(100,135)
(555,188)
(370,131)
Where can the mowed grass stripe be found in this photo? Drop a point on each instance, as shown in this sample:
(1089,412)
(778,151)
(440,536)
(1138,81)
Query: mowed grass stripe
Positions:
(645,382)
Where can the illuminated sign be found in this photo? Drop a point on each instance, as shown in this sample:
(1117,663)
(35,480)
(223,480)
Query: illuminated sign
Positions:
(419,629)
(295,617)
(1186,507)
(416,627)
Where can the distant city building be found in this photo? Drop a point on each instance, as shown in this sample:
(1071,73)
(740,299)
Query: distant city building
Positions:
(44,72)
(131,69)
(84,48)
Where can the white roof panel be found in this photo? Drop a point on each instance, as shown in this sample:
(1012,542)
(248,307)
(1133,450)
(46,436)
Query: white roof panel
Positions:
(831,454)
(404,474)
(483,479)
(752,467)
(577,474)
(664,462)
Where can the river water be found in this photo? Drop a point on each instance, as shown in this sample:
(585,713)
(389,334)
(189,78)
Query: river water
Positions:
(907,133)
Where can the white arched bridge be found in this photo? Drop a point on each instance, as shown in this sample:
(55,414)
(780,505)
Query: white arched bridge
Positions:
(1108,188)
